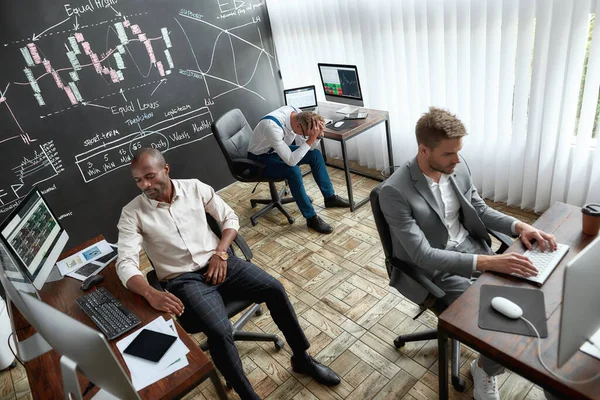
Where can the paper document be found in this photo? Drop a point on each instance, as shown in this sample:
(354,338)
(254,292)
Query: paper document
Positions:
(77,260)
(589,348)
(144,372)
(93,267)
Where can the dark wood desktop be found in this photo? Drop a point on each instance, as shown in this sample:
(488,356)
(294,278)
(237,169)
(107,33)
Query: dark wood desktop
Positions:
(44,373)
(519,353)
(374,118)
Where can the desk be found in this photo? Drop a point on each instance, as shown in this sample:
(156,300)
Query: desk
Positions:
(44,374)
(375,117)
(515,352)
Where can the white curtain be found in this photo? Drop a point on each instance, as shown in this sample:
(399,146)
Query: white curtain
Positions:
(512,71)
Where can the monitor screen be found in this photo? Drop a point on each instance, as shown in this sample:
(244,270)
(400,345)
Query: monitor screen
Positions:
(32,233)
(302,97)
(341,83)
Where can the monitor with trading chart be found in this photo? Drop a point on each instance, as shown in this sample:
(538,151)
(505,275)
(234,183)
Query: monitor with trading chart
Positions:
(341,85)
(304,98)
(35,238)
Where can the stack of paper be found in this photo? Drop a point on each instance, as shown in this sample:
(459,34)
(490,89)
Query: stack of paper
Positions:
(144,372)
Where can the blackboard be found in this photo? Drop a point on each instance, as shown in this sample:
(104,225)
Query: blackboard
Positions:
(85,83)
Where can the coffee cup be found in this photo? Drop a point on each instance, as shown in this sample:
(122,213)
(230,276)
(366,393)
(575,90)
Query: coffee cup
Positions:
(591,219)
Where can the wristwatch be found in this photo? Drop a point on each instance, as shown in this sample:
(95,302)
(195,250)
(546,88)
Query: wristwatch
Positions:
(222,255)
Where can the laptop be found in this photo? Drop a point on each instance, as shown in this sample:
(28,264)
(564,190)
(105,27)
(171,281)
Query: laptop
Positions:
(304,98)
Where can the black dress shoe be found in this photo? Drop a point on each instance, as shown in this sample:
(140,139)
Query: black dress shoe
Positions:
(319,372)
(336,201)
(319,225)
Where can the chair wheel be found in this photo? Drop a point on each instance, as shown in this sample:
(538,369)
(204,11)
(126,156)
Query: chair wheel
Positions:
(259,311)
(399,343)
(291,220)
(458,383)
(252,203)
(253,221)
(279,344)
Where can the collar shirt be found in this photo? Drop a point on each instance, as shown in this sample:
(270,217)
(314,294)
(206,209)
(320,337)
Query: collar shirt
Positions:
(176,235)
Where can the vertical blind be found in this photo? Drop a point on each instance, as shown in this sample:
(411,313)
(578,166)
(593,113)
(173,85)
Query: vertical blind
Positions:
(514,71)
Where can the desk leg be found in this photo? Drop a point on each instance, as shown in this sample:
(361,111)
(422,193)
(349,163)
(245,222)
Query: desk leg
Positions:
(443,363)
(218,385)
(323,150)
(347,173)
(388,135)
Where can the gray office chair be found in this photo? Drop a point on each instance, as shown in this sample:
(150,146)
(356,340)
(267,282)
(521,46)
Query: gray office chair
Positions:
(435,293)
(233,134)
(189,322)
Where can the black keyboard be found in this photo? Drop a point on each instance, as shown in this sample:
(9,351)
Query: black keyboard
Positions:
(107,313)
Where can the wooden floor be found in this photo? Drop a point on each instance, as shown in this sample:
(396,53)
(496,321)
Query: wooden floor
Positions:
(339,288)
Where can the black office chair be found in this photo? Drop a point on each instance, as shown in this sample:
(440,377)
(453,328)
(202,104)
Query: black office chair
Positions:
(189,321)
(435,292)
(233,135)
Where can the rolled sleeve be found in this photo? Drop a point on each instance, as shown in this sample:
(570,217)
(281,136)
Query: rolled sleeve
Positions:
(218,209)
(129,246)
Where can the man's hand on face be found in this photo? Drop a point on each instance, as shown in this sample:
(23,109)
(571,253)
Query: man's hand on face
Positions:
(217,270)
(165,301)
(316,130)
(528,233)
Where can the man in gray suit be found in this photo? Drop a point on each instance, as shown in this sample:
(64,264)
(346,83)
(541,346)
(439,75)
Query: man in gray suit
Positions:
(438,223)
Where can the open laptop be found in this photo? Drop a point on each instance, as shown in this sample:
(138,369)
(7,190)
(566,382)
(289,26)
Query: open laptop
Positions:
(304,98)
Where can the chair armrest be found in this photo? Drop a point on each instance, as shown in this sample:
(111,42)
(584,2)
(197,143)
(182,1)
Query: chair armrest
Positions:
(504,239)
(243,246)
(419,277)
(153,280)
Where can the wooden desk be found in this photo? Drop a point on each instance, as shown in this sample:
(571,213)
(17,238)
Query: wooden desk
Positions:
(374,118)
(44,374)
(519,353)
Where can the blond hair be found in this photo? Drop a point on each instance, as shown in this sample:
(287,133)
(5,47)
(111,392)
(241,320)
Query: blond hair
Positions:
(305,119)
(436,125)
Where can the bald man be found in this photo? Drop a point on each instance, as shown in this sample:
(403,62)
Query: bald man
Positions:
(197,270)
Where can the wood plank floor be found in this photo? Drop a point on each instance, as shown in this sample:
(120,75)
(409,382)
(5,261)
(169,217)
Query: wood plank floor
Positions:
(339,288)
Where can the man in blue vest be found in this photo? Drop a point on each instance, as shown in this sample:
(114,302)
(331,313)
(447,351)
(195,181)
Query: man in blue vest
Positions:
(271,144)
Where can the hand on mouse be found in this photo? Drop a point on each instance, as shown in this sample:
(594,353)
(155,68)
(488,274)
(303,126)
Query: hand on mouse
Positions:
(529,233)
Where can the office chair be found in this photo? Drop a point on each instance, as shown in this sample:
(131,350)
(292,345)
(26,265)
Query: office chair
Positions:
(434,291)
(189,322)
(233,135)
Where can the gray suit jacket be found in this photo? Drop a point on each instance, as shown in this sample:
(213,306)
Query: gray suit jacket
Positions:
(419,234)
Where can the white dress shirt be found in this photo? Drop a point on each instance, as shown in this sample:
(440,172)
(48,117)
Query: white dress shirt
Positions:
(176,235)
(268,135)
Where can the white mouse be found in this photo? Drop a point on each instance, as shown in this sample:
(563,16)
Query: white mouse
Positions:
(338,124)
(506,307)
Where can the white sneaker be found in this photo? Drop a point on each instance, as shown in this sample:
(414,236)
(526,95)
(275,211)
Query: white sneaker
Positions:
(484,387)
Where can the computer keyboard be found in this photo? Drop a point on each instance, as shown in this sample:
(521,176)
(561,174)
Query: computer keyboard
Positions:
(544,261)
(107,313)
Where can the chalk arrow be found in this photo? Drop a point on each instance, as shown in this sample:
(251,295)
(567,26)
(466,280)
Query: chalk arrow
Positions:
(36,37)
(118,14)
(76,24)
(87,103)
(122,94)
(160,83)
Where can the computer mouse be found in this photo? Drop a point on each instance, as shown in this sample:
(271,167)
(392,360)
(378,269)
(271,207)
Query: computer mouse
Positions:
(506,307)
(91,281)
(338,124)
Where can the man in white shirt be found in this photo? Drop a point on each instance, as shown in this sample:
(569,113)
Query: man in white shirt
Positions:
(438,223)
(169,221)
(271,144)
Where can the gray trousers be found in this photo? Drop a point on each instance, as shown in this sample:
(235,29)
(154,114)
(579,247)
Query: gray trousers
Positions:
(455,285)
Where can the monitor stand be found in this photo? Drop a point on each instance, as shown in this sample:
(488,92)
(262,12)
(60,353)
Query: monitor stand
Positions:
(71,382)
(55,275)
(347,110)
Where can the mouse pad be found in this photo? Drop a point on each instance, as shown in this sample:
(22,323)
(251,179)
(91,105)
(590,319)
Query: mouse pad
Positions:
(150,345)
(531,302)
(348,124)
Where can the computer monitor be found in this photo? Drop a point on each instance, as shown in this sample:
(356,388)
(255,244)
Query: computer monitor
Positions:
(304,98)
(580,314)
(35,237)
(341,84)
(81,348)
